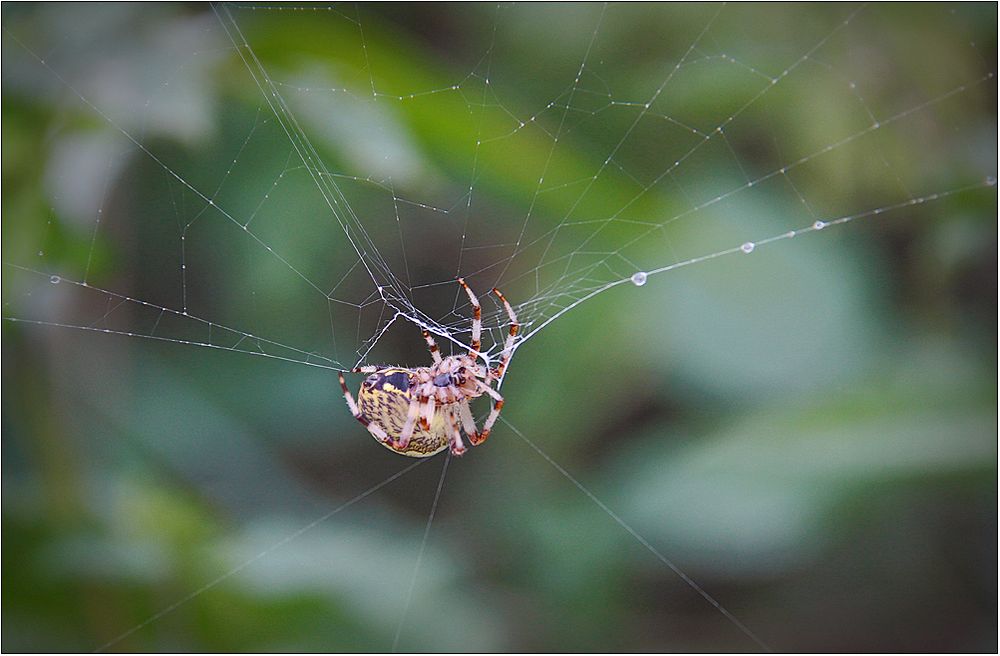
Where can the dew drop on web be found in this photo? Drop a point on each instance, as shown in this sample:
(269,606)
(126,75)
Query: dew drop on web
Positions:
(639,278)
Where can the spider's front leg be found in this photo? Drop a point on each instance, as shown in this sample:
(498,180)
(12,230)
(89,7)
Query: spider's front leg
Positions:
(515,327)
(432,347)
(477,320)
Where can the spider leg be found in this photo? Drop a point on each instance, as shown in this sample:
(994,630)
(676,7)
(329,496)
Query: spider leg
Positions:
(368,369)
(494,413)
(372,427)
(412,413)
(457,448)
(511,334)
(426,412)
(469,423)
(477,320)
(489,390)
(432,347)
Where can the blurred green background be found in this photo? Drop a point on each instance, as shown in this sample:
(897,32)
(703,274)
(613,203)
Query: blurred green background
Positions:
(809,432)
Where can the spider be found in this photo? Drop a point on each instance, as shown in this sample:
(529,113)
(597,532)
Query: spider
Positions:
(418,412)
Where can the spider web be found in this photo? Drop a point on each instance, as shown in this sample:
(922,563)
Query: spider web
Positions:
(281,181)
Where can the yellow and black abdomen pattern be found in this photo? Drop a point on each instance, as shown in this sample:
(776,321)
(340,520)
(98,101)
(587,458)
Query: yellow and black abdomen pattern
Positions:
(384,398)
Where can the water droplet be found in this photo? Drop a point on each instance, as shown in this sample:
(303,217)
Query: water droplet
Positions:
(819,225)
(639,278)
(991,181)
(748,247)
(55,280)
(41,253)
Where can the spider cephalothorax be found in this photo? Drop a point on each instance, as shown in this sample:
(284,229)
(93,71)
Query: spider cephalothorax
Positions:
(418,412)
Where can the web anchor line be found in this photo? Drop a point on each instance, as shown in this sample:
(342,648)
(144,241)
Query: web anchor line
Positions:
(277,545)
(639,278)
(420,553)
(641,540)
(307,357)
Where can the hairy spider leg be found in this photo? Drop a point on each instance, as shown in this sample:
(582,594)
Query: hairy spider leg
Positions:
(411,420)
(432,347)
(469,423)
(494,413)
(477,320)
(511,334)
(427,405)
